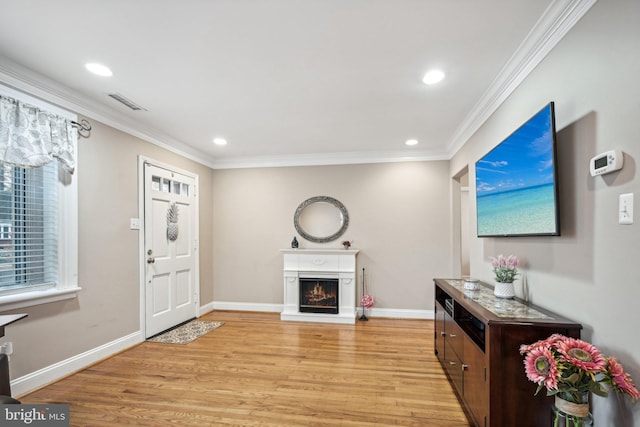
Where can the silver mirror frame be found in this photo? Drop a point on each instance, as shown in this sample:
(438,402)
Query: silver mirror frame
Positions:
(321,199)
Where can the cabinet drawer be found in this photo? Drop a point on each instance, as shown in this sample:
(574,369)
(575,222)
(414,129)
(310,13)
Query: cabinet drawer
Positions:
(454,368)
(454,336)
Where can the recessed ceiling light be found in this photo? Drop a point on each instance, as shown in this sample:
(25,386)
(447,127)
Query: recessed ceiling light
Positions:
(219,141)
(98,69)
(432,77)
(411,142)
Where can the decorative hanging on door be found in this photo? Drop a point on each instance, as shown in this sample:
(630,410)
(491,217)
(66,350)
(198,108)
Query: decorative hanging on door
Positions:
(172,222)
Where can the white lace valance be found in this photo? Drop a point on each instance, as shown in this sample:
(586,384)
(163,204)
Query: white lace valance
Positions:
(31,137)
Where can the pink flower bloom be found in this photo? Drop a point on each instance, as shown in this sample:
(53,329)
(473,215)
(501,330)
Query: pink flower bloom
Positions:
(620,380)
(367,301)
(505,269)
(555,339)
(582,355)
(550,342)
(526,348)
(541,368)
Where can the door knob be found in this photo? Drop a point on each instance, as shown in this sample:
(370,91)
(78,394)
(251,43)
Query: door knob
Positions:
(151,260)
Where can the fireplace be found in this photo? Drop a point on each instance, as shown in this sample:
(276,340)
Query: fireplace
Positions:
(319,295)
(319,285)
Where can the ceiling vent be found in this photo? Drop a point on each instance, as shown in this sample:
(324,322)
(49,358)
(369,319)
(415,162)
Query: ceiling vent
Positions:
(129,103)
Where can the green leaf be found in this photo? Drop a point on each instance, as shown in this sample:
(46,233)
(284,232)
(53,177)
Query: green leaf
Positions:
(564,387)
(573,378)
(598,389)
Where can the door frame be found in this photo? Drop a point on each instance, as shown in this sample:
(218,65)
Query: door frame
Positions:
(457,218)
(142,257)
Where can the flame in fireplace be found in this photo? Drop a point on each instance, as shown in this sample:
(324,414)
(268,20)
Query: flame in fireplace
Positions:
(318,295)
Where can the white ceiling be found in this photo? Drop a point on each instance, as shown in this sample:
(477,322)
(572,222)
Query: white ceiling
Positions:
(284,81)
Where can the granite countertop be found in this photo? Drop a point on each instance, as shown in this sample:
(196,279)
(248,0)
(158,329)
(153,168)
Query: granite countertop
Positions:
(501,307)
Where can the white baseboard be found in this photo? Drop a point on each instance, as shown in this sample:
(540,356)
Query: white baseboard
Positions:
(49,374)
(397,313)
(204,309)
(247,306)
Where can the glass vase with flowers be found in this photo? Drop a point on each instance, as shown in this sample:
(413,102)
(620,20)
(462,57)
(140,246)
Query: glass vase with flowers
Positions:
(571,370)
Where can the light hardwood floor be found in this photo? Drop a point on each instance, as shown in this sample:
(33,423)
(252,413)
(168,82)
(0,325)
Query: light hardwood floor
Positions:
(256,370)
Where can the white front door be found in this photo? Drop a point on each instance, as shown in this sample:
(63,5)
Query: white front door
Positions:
(170,244)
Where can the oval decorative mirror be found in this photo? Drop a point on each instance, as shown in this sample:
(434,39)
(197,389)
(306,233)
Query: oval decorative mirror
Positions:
(321,219)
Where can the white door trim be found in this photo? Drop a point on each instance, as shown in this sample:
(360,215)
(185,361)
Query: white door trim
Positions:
(142,259)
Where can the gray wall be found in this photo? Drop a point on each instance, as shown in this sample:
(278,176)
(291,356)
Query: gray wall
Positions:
(399,220)
(590,273)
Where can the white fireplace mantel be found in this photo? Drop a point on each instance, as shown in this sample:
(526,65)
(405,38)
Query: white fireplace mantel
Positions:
(320,263)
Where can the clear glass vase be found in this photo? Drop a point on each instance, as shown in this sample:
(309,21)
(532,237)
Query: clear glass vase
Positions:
(565,413)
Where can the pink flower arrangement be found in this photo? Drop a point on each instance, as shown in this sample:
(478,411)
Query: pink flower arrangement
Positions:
(505,269)
(367,301)
(571,368)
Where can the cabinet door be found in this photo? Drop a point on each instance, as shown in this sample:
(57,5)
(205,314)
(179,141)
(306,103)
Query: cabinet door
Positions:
(476,391)
(439,332)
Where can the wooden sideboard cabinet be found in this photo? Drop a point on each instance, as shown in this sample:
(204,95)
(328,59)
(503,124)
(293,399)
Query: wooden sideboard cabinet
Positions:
(477,341)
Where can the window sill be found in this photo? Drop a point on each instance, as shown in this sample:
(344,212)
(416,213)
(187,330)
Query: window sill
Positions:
(28,299)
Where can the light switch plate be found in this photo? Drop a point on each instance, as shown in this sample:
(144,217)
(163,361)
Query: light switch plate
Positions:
(625,209)
(134,224)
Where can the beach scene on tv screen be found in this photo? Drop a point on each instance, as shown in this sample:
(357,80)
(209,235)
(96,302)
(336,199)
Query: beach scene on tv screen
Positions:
(515,190)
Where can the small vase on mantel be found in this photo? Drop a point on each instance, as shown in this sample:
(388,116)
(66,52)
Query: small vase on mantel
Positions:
(504,290)
(569,414)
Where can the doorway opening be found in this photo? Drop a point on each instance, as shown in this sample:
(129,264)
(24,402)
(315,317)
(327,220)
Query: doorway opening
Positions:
(461,221)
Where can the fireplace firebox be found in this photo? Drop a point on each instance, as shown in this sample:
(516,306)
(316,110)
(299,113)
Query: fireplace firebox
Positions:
(319,295)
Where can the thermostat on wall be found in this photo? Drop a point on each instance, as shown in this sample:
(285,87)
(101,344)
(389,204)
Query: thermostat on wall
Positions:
(606,162)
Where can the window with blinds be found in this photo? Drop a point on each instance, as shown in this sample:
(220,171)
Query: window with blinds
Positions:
(28,227)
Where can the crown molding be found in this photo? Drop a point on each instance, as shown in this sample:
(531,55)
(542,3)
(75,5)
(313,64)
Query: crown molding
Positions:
(553,25)
(326,159)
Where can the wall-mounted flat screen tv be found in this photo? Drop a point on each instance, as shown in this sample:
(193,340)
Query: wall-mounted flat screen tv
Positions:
(516,182)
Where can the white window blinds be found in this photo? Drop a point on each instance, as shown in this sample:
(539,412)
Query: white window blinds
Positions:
(29,218)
